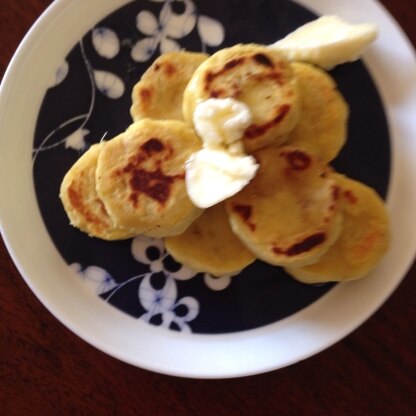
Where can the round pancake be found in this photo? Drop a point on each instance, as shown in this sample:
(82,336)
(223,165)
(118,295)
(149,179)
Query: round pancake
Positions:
(159,92)
(288,215)
(322,125)
(256,75)
(141,177)
(84,208)
(209,245)
(363,240)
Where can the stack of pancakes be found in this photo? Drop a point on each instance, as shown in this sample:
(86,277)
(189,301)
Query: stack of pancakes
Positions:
(297,212)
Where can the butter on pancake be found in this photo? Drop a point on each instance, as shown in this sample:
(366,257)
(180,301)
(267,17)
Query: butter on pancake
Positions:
(84,208)
(288,215)
(209,245)
(159,92)
(322,125)
(256,75)
(364,238)
(141,177)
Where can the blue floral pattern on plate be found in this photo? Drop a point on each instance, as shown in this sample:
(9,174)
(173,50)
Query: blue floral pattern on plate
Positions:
(89,100)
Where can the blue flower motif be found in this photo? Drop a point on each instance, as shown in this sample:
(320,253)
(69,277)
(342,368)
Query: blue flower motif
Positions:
(170,26)
(98,279)
(163,30)
(106,42)
(161,301)
(109,84)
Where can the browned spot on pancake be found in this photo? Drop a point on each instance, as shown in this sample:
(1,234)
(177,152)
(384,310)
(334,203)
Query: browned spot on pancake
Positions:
(333,205)
(77,202)
(367,243)
(168,68)
(211,75)
(145,95)
(234,91)
(216,93)
(233,63)
(274,76)
(350,197)
(75,197)
(154,184)
(153,145)
(245,212)
(152,148)
(263,59)
(303,246)
(335,192)
(297,159)
(255,130)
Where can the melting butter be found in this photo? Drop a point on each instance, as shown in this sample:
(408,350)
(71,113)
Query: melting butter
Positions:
(221,168)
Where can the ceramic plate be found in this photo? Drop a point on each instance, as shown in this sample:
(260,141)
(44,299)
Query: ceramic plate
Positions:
(69,86)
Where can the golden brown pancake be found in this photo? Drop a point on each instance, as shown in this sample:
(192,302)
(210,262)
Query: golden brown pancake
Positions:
(322,125)
(256,75)
(140,177)
(364,238)
(84,208)
(159,92)
(209,245)
(288,215)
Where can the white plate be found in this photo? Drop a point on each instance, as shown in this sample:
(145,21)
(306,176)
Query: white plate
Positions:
(391,62)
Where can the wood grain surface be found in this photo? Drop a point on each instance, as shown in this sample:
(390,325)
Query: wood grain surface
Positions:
(46,370)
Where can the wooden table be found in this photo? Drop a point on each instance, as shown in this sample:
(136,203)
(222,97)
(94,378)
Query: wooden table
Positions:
(46,370)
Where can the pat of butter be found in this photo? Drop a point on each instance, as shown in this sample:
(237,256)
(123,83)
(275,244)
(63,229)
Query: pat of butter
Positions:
(221,122)
(221,168)
(213,175)
(327,42)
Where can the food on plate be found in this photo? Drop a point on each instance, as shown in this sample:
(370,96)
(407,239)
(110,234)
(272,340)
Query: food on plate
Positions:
(209,245)
(220,123)
(227,160)
(259,77)
(327,42)
(364,238)
(79,197)
(288,215)
(322,125)
(159,92)
(208,168)
(140,177)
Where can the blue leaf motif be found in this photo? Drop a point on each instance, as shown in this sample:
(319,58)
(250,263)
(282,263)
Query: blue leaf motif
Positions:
(76,140)
(217,283)
(178,25)
(157,300)
(60,74)
(184,273)
(210,30)
(144,49)
(147,23)
(98,279)
(192,306)
(109,84)
(147,249)
(169,45)
(106,42)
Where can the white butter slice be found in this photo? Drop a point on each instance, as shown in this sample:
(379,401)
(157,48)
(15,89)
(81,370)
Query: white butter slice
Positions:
(327,42)
(213,175)
(221,122)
